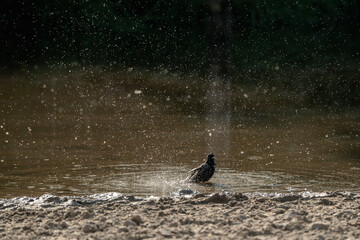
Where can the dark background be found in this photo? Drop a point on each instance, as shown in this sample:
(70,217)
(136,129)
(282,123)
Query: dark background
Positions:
(309,46)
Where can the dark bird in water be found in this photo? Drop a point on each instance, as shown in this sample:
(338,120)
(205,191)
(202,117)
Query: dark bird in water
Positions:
(204,172)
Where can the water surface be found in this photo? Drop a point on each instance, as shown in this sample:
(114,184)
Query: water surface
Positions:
(72,136)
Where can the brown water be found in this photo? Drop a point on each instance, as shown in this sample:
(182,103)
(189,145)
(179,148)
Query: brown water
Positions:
(67,136)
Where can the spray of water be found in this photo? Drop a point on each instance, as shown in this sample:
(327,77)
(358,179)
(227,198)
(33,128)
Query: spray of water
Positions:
(219,79)
(218,116)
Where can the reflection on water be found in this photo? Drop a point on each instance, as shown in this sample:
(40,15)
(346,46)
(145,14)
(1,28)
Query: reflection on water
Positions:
(69,137)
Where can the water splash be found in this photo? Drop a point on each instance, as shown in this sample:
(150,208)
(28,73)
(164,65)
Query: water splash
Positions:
(218,116)
(219,79)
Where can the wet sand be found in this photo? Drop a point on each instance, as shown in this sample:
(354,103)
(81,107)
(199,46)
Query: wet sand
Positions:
(223,215)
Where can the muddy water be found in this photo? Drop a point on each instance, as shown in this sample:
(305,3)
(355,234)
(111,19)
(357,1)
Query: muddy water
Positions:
(66,136)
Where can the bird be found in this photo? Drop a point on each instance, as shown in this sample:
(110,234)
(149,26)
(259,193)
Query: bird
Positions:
(203,172)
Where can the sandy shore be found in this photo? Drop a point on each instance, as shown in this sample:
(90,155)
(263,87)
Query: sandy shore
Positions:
(217,216)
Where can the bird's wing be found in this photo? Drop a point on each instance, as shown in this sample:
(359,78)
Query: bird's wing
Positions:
(203,166)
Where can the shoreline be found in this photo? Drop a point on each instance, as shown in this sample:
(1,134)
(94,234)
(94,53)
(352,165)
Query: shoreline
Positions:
(188,215)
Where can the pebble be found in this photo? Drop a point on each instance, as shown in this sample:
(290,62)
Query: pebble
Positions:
(164,232)
(54,199)
(131,198)
(185,221)
(88,215)
(47,205)
(186,192)
(291,226)
(174,224)
(239,197)
(290,214)
(233,203)
(217,198)
(128,223)
(267,229)
(89,228)
(71,214)
(319,226)
(50,225)
(326,202)
(123,229)
(137,219)
(63,225)
(199,195)
(242,216)
(180,210)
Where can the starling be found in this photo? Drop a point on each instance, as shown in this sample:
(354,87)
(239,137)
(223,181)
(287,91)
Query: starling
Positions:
(204,172)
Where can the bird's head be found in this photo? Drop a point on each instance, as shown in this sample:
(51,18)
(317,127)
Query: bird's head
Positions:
(211,159)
